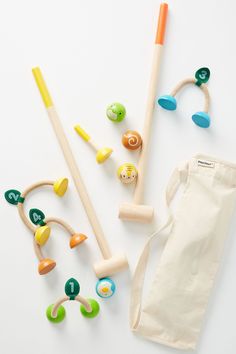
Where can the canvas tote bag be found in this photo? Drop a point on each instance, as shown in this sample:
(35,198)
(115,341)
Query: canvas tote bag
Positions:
(173,311)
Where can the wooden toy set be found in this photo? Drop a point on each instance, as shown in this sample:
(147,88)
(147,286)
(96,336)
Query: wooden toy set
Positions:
(40,225)
(188,252)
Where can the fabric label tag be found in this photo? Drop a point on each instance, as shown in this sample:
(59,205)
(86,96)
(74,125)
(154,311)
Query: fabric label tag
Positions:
(205,163)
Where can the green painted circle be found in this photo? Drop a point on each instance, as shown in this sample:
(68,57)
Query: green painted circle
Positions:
(116,112)
(95,309)
(61,313)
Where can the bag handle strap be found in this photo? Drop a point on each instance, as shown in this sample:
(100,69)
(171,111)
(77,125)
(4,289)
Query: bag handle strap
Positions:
(178,176)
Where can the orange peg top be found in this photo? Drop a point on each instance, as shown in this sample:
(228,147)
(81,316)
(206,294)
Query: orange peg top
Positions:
(160,35)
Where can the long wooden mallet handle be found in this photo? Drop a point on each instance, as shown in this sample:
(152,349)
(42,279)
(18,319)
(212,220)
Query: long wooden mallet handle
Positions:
(159,42)
(70,160)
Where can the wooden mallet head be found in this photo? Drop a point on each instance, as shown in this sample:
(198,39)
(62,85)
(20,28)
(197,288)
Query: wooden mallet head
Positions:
(136,212)
(110,266)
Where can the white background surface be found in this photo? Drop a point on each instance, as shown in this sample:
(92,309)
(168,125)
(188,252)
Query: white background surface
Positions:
(91,54)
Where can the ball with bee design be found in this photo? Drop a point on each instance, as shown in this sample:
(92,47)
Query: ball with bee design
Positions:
(127,173)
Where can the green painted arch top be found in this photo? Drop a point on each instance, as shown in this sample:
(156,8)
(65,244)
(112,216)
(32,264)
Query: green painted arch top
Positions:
(12,196)
(202,75)
(37,216)
(72,288)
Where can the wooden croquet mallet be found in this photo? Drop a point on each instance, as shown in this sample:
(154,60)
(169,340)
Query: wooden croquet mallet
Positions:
(111,263)
(102,154)
(137,211)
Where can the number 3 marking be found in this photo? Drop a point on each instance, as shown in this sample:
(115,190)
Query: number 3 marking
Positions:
(203,75)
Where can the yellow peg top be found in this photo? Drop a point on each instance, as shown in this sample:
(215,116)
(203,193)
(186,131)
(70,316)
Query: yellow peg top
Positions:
(60,186)
(42,87)
(42,234)
(81,132)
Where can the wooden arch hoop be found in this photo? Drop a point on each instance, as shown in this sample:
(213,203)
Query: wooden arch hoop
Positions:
(45,264)
(20,207)
(203,87)
(65,298)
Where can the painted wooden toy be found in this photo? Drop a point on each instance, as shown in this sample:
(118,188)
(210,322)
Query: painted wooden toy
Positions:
(116,112)
(39,225)
(89,307)
(136,210)
(105,288)
(202,118)
(131,140)
(102,153)
(127,173)
(110,263)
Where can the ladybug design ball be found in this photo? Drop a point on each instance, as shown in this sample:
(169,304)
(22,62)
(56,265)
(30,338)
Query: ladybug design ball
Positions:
(131,140)
(105,287)
(116,112)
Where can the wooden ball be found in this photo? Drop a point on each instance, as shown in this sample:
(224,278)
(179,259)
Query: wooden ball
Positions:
(131,140)
(127,173)
(105,287)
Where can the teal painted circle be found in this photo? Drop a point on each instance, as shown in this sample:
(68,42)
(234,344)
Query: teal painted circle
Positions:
(95,309)
(61,313)
(202,119)
(116,112)
(105,288)
(167,102)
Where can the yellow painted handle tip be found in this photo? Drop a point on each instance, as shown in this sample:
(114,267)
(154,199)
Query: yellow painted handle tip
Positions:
(81,132)
(42,87)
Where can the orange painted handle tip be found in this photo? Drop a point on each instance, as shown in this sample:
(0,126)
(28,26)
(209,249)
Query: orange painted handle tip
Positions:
(160,35)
